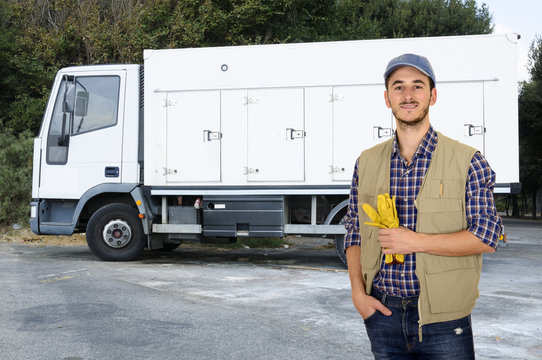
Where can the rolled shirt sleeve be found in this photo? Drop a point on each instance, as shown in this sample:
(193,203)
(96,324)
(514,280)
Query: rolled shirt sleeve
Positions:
(351,220)
(482,218)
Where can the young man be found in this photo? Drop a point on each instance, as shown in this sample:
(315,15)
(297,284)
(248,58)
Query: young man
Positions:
(420,308)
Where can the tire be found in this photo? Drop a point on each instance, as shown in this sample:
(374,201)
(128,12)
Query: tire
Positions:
(339,248)
(115,233)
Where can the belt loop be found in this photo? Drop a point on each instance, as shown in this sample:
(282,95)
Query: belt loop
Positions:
(384,298)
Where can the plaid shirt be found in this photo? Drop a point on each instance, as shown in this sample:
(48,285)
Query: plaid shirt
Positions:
(405,182)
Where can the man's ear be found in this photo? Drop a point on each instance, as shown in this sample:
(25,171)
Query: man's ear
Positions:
(433,96)
(386,99)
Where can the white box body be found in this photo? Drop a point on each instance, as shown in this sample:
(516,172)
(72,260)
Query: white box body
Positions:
(295,116)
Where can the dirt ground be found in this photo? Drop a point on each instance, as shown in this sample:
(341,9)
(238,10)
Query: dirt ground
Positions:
(26,236)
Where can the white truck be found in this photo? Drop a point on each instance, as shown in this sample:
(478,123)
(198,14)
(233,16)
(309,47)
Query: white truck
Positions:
(218,143)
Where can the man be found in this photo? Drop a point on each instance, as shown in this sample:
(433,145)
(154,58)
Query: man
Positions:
(420,308)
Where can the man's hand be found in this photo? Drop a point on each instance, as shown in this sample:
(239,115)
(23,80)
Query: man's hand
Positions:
(398,240)
(364,304)
(368,305)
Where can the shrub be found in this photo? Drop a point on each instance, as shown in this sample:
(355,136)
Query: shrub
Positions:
(15,177)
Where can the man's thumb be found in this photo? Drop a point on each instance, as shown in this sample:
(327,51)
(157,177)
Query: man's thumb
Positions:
(384,310)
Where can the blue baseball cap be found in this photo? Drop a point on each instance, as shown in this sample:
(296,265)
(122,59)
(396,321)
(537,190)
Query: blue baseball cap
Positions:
(416,61)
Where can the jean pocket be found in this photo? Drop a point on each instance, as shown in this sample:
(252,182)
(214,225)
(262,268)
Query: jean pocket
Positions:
(371,317)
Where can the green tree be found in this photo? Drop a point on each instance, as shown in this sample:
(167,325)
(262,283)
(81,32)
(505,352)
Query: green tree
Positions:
(372,19)
(40,36)
(530,126)
(37,37)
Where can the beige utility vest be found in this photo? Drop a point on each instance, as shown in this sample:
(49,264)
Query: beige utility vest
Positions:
(449,285)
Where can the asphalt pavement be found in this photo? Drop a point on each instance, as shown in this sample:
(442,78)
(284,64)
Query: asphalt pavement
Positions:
(200,303)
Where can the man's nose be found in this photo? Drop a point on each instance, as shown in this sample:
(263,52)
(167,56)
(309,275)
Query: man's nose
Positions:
(408,94)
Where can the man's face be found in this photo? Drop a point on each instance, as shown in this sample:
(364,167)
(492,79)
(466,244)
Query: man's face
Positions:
(409,96)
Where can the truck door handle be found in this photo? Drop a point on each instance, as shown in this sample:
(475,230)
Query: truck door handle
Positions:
(111,171)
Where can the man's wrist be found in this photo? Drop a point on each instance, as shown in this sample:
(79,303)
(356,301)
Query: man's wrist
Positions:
(420,245)
(359,289)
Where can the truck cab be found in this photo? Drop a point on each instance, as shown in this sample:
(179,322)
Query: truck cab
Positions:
(88,144)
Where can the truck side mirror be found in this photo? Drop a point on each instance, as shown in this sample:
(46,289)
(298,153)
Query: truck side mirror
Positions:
(81,103)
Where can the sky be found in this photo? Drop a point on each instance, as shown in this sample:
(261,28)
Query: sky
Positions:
(519,16)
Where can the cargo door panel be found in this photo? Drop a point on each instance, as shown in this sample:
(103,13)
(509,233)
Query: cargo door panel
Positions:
(276,135)
(193,136)
(360,121)
(459,113)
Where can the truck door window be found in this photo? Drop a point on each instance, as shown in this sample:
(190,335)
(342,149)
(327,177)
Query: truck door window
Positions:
(92,106)
(96,103)
(58,137)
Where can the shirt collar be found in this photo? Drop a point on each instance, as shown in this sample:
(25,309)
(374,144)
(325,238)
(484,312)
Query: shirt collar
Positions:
(426,147)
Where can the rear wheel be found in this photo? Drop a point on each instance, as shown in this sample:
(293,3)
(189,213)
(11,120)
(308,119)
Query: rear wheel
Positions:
(115,233)
(337,217)
(339,247)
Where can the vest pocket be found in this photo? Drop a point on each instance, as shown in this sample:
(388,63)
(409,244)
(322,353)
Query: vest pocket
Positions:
(444,188)
(452,283)
(446,215)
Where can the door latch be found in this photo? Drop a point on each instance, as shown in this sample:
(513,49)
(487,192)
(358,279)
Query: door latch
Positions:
(379,132)
(471,130)
(294,134)
(211,135)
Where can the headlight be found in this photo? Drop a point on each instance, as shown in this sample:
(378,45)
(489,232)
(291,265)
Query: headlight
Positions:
(33,211)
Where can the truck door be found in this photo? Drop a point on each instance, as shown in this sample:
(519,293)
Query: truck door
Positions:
(276,135)
(459,113)
(193,136)
(83,134)
(360,120)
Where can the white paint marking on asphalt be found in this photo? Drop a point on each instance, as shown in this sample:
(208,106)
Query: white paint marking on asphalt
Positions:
(60,274)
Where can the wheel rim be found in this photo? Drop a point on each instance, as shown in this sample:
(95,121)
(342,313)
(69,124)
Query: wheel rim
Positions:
(117,233)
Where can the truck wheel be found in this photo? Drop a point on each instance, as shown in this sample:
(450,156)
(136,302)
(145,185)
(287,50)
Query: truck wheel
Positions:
(115,233)
(339,248)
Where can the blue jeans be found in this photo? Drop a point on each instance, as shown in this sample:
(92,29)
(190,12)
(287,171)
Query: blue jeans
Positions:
(396,336)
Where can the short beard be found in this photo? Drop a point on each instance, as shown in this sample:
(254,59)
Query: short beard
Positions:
(412,123)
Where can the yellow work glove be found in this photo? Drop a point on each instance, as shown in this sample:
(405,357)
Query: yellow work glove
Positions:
(386,218)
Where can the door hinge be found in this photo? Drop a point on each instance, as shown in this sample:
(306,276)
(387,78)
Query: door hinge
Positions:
(335,97)
(336,169)
(167,171)
(251,171)
(169,102)
(470,130)
(251,100)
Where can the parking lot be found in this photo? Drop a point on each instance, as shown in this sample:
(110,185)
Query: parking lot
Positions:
(60,302)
